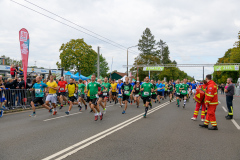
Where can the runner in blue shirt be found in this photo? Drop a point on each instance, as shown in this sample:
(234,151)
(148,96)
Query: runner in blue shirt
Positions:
(189,89)
(159,90)
(194,87)
(119,85)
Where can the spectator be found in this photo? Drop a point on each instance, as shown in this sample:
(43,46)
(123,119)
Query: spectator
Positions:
(12,71)
(10,94)
(229,98)
(222,86)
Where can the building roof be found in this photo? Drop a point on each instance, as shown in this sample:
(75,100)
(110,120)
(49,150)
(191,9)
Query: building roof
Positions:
(123,74)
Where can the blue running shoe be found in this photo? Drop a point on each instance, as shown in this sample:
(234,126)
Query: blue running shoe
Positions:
(123,112)
(50,111)
(144,116)
(80,109)
(3,107)
(1,113)
(32,115)
(67,113)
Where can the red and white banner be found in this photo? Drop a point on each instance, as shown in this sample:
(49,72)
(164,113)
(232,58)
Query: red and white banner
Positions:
(24,47)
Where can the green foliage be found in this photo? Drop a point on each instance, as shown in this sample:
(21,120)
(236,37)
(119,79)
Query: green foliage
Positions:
(9,61)
(152,53)
(78,55)
(232,55)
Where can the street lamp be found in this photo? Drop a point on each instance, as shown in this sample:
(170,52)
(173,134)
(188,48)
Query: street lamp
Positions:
(127,56)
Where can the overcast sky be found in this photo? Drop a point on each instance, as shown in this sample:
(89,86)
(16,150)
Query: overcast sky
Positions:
(197,32)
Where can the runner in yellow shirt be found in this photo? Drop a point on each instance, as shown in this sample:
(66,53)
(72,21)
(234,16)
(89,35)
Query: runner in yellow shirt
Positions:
(114,91)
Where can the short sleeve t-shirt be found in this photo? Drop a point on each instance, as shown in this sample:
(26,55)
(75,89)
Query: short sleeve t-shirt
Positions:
(177,86)
(39,88)
(185,90)
(54,85)
(159,86)
(107,85)
(194,85)
(146,89)
(170,86)
(230,89)
(93,88)
(114,87)
(126,88)
(119,86)
(71,89)
(81,88)
(62,86)
(163,85)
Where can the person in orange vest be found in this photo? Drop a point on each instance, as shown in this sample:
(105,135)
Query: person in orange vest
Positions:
(199,98)
(211,102)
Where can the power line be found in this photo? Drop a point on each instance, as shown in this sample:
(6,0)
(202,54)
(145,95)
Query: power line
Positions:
(68,25)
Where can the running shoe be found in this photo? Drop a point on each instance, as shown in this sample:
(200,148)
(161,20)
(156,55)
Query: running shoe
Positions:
(50,110)
(193,118)
(3,107)
(178,105)
(115,102)
(61,107)
(110,102)
(101,116)
(183,106)
(1,113)
(32,115)
(123,112)
(91,111)
(104,111)
(145,115)
(137,106)
(96,117)
(55,112)
(80,108)
(67,113)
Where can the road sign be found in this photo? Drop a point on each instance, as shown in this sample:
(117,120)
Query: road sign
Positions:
(153,68)
(226,68)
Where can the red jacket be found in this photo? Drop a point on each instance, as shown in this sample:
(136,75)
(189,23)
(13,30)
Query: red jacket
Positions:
(211,94)
(12,71)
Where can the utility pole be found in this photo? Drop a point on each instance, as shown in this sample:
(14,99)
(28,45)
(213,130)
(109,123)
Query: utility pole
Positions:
(98,66)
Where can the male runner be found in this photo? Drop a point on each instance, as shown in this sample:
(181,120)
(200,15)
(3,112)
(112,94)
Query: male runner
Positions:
(131,95)
(178,93)
(81,94)
(114,91)
(126,91)
(170,90)
(147,88)
(100,95)
(39,94)
(189,88)
(106,92)
(136,93)
(62,92)
(72,89)
(154,95)
(194,87)
(119,87)
(159,90)
(52,96)
(92,87)
(184,91)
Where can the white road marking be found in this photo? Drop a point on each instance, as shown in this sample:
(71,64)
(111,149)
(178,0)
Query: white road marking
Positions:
(61,116)
(224,108)
(101,135)
(235,123)
(219,102)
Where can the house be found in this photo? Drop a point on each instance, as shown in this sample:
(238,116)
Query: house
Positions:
(119,75)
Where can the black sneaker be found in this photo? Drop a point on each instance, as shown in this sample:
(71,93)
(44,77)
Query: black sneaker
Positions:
(213,128)
(61,107)
(91,111)
(203,125)
(229,117)
(183,106)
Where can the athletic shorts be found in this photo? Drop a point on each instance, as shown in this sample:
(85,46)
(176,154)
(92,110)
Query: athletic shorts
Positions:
(146,99)
(120,96)
(189,89)
(72,99)
(153,96)
(100,96)
(114,93)
(38,100)
(136,95)
(51,98)
(81,95)
(3,99)
(125,97)
(105,94)
(194,91)
(159,93)
(170,92)
(178,95)
(184,95)
(94,101)
(62,93)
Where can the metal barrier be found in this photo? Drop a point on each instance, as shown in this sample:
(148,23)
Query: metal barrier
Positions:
(17,98)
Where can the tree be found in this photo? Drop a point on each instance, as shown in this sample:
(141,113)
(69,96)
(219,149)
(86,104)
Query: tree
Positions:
(9,61)
(78,55)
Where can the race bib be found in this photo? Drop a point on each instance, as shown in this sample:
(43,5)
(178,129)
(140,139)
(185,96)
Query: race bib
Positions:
(61,89)
(105,94)
(183,91)
(178,93)
(146,93)
(159,88)
(137,95)
(97,96)
(120,95)
(54,95)
(126,92)
(37,91)
(168,90)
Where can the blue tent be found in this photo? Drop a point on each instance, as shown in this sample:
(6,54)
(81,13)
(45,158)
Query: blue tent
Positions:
(68,73)
(81,77)
(75,77)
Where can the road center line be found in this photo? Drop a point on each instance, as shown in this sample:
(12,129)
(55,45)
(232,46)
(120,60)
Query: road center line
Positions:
(224,108)
(233,121)
(61,116)
(219,102)
(101,134)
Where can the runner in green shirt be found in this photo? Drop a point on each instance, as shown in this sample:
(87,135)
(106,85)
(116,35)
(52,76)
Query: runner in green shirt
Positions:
(154,95)
(178,94)
(184,91)
(170,90)
(81,94)
(93,88)
(126,91)
(146,89)
(108,88)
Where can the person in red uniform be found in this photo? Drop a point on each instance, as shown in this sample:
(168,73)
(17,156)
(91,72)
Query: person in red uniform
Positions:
(211,102)
(199,98)
(62,92)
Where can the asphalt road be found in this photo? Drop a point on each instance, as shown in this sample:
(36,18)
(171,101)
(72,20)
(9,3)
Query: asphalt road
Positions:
(166,133)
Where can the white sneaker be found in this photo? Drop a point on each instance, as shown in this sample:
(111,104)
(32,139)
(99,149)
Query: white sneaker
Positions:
(202,120)
(193,118)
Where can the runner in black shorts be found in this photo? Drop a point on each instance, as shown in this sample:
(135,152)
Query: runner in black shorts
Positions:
(154,95)
(170,90)
(136,93)
(126,91)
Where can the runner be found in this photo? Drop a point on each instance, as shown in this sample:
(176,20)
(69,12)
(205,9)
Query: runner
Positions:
(193,87)
(81,94)
(178,93)
(131,95)
(92,87)
(100,94)
(72,90)
(184,91)
(52,96)
(163,90)
(106,92)
(119,87)
(159,90)
(147,88)
(170,90)
(125,90)
(153,94)
(39,94)
(114,91)
(166,90)
(62,92)
(136,93)
(189,89)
